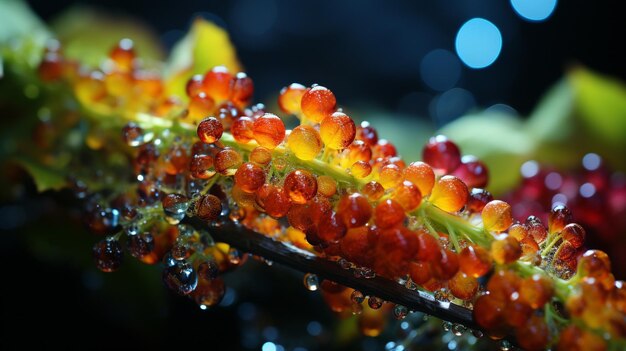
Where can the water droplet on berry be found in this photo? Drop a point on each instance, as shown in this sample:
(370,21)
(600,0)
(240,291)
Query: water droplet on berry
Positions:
(311,282)
(175,207)
(357,297)
(108,254)
(180,278)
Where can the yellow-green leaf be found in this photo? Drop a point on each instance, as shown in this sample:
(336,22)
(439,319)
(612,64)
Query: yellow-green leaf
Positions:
(45,178)
(89,35)
(205,46)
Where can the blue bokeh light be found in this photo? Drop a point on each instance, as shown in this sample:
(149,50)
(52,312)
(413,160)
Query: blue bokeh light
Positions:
(534,10)
(478,43)
(440,70)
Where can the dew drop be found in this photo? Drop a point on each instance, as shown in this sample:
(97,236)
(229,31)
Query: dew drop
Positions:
(180,278)
(477,334)
(400,312)
(311,282)
(357,297)
(140,245)
(374,302)
(108,254)
(447,326)
(235,256)
(505,345)
(458,329)
(208,270)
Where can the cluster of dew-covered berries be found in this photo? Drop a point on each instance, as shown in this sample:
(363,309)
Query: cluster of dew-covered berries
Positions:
(334,188)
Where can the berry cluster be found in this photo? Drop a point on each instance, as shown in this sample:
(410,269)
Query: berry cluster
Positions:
(332,187)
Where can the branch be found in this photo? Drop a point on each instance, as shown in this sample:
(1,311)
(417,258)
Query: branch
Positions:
(250,241)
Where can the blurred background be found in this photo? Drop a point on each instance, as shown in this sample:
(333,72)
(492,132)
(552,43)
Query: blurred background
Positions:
(414,67)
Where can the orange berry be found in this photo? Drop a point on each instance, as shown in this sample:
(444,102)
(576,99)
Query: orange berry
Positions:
(202,167)
(497,216)
(356,248)
(217,83)
(574,234)
(355,210)
(326,185)
(227,161)
(241,90)
(318,103)
(535,291)
(536,229)
(200,106)
(210,130)
(560,216)
(388,213)
(428,247)
(422,175)
(208,207)
(475,261)
(533,335)
(360,169)
(449,194)
(407,195)
(276,203)
(290,98)
(518,231)
(305,142)
(420,272)
(194,86)
(488,312)
(331,228)
(261,155)
(373,190)
(337,131)
(300,186)
(390,176)
(249,177)
(243,129)
(463,286)
(477,200)
(123,55)
(446,266)
(359,151)
(269,131)
(506,249)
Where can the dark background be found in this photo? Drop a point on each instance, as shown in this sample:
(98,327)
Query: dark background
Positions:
(367,53)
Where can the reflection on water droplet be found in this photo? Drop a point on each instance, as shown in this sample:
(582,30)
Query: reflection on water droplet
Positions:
(505,345)
(311,282)
(400,312)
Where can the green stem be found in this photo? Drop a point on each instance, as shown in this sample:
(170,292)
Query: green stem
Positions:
(458,224)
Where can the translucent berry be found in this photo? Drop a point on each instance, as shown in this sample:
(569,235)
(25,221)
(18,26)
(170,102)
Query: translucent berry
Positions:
(441,154)
(277,202)
(133,135)
(594,263)
(337,131)
(475,261)
(535,291)
(290,98)
(428,247)
(301,186)
(241,89)
(506,249)
(359,151)
(360,169)
(477,200)
(497,216)
(472,172)
(140,245)
(217,83)
(194,86)
(243,129)
(354,210)
(177,159)
(373,190)
(318,103)
(388,213)
(202,167)
(536,229)
(174,207)
(446,266)
(249,177)
(200,106)
(419,272)
(407,195)
(422,175)
(261,156)
(449,194)
(574,234)
(269,131)
(123,55)
(181,278)
(518,231)
(228,161)
(326,185)
(208,207)
(533,335)
(210,130)
(208,293)
(331,228)
(305,142)
(51,67)
(488,312)
(108,255)
(390,176)
(463,286)
(560,216)
(366,133)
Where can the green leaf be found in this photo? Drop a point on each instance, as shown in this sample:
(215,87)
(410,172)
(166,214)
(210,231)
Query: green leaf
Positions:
(45,178)
(89,35)
(205,46)
(17,20)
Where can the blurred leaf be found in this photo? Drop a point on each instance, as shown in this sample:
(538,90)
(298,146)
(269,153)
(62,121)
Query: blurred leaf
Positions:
(44,177)
(88,34)
(17,20)
(497,139)
(205,46)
